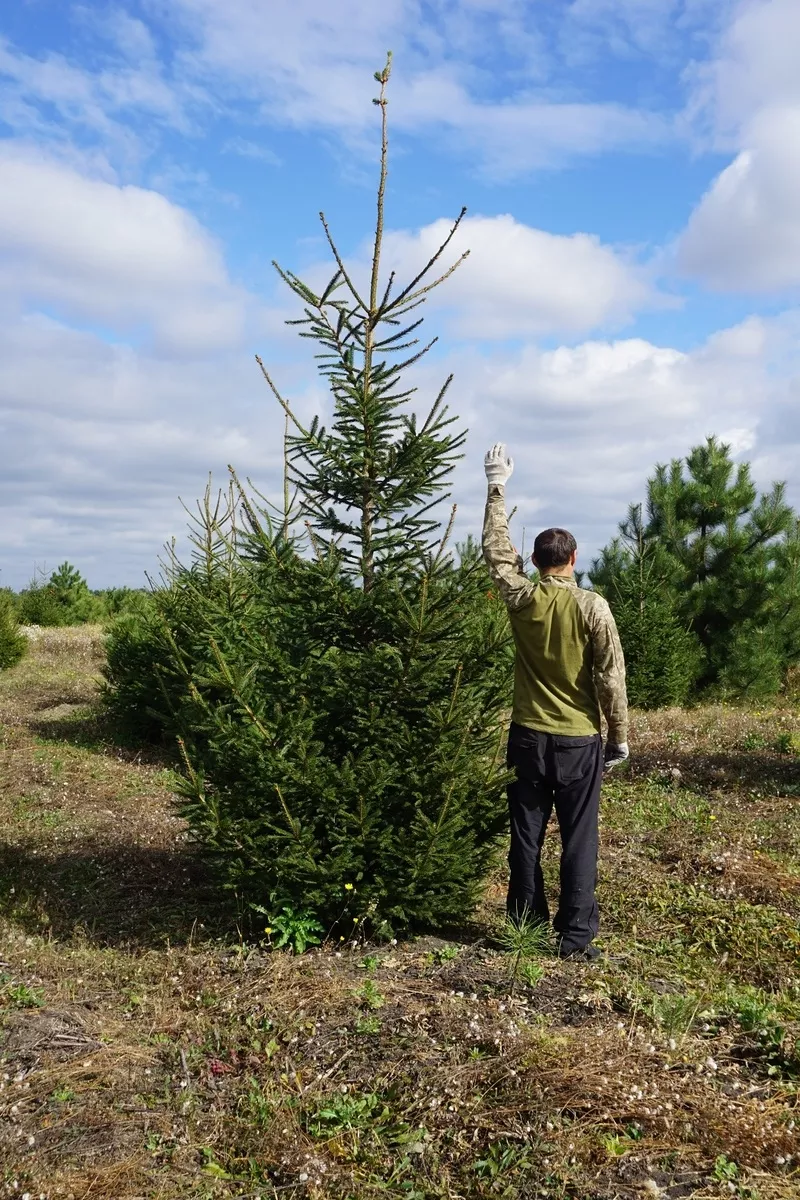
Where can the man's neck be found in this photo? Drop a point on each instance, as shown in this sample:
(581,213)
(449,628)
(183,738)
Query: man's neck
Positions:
(559,572)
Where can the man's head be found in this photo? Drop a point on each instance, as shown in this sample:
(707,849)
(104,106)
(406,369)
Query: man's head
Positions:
(554,552)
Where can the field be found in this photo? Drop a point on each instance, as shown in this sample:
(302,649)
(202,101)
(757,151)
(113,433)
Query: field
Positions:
(148,1050)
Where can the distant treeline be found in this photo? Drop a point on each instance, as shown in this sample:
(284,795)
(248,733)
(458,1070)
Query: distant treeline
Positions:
(64,598)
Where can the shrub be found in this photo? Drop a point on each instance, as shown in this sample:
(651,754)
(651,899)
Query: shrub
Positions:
(13,644)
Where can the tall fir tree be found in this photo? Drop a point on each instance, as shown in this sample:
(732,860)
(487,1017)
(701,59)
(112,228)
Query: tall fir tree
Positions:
(335,675)
(370,485)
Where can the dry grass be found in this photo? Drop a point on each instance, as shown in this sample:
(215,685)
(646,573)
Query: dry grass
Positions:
(148,1051)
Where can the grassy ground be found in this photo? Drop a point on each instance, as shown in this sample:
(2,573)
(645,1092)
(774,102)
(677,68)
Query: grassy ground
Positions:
(147,1051)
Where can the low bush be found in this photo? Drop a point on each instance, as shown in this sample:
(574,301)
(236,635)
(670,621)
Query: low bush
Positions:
(13,644)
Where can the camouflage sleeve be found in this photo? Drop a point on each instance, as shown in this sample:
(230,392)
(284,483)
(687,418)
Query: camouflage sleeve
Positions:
(609,672)
(505,565)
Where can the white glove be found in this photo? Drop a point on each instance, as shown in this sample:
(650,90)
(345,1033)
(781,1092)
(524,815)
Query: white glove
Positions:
(614,755)
(497,466)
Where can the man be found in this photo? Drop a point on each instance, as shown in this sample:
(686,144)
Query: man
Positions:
(569,667)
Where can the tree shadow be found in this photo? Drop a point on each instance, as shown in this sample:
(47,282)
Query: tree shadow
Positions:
(120,896)
(740,770)
(90,728)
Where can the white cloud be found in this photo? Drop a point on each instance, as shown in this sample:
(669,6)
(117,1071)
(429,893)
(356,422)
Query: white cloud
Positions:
(486,79)
(121,257)
(311,65)
(635,28)
(521,282)
(754,67)
(52,98)
(247,149)
(100,440)
(745,232)
(586,424)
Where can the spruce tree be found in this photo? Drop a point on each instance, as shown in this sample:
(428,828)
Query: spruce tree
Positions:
(369,485)
(335,675)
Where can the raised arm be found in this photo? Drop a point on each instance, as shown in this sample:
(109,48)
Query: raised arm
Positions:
(505,565)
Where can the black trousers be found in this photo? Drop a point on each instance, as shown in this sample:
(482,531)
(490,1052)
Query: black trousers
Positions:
(565,772)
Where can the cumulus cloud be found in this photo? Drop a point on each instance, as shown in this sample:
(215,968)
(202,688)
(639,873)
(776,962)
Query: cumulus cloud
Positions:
(122,257)
(754,67)
(745,232)
(587,423)
(100,440)
(522,282)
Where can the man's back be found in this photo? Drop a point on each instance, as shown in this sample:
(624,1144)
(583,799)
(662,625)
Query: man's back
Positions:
(569,662)
(554,673)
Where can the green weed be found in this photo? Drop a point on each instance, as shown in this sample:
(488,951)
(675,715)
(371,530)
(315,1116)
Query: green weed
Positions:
(369,995)
(442,955)
(291,928)
(502,1158)
(19,995)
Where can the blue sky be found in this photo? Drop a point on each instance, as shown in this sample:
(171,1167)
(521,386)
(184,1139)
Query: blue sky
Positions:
(632,174)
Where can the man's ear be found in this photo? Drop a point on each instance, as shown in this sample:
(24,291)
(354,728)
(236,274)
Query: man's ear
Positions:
(533,560)
(573,558)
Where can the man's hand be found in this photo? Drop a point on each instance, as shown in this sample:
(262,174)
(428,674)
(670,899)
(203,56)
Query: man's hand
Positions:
(614,755)
(497,465)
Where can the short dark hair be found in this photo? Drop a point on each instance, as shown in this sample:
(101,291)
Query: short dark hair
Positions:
(554,548)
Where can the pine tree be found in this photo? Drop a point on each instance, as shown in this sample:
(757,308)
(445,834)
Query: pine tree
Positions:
(336,676)
(63,599)
(729,562)
(662,656)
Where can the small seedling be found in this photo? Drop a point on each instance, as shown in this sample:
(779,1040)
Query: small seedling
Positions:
(369,996)
(725,1169)
(19,995)
(615,1146)
(523,940)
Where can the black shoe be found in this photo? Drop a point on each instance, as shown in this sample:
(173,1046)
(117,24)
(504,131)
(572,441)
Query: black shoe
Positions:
(582,954)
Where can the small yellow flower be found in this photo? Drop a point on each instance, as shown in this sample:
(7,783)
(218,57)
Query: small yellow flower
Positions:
(355,919)
(712,817)
(268,929)
(348,887)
